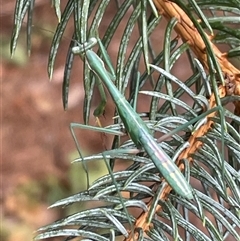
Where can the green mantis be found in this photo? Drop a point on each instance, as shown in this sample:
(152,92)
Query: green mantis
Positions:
(135,126)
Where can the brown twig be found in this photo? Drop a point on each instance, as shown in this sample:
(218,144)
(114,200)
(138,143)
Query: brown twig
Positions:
(187,31)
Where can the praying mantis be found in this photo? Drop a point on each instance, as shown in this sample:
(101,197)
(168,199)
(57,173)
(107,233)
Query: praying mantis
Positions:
(134,125)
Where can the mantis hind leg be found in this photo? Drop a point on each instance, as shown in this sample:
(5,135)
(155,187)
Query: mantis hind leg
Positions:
(72,126)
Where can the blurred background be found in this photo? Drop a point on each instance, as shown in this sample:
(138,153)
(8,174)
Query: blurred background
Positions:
(37,146)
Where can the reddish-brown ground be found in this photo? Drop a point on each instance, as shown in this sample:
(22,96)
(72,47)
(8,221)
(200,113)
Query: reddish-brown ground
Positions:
(36,141)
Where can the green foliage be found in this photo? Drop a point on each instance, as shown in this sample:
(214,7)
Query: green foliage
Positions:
(214,171)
